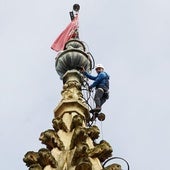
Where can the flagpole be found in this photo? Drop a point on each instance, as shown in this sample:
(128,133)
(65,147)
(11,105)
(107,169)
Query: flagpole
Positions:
(76,8)
(71,31)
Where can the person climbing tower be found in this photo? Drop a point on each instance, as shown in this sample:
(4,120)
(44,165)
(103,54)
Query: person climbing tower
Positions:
(101,84)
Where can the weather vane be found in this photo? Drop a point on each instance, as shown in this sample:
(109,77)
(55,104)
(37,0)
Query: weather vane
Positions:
(76,8)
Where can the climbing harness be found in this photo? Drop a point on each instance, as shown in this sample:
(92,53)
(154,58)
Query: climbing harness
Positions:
(89,99)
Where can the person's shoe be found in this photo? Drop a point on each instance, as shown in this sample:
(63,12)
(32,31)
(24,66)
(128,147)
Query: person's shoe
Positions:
(94,116)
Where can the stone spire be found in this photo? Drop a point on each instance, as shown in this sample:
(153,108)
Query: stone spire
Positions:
(71,143)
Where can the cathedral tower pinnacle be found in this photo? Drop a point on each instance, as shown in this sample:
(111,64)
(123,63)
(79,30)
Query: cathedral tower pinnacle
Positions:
(71,142)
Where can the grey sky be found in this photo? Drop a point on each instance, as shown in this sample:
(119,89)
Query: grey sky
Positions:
(130,38)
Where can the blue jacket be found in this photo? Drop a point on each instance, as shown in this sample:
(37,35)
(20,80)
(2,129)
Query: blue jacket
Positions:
(100,81)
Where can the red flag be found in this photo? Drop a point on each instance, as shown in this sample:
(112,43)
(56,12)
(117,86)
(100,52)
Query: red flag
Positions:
(67,34)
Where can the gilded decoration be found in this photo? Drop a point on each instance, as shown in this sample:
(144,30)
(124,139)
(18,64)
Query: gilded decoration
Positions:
(102,151)
(76,121)
(93,132)
(58,124)
(72,91)
(81,154)
(78,137)
(51,140)
(38,160)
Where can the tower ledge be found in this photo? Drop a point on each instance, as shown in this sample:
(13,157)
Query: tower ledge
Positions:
(71,106)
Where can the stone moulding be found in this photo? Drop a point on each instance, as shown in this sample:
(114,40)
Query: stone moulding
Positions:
(71,106)
(75,43)
(73,75)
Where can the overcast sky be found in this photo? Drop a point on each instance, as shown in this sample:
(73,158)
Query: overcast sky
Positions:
(130,38)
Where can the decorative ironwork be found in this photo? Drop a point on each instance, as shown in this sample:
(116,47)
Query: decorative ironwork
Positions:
(128,166)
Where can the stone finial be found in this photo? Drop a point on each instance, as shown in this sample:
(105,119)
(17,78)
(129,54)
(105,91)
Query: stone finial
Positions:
(72,58)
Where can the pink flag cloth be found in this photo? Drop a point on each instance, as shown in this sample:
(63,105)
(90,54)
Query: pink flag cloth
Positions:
(67,34)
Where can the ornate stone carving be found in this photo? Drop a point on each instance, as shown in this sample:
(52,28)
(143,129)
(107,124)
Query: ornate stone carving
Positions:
(71,58)
(102,151)
(74,43)
(72,90)
(84,164)
(113,167)
(35,167)
(80,158)
(31,158)
(76,121)
(51,140)
(79,136)
(38,160)
(59,124)
(45,158)
(93,132)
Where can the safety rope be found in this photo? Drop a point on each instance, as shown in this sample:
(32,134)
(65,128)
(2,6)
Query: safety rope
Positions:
(101,129)
(86,92)
(88,97)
